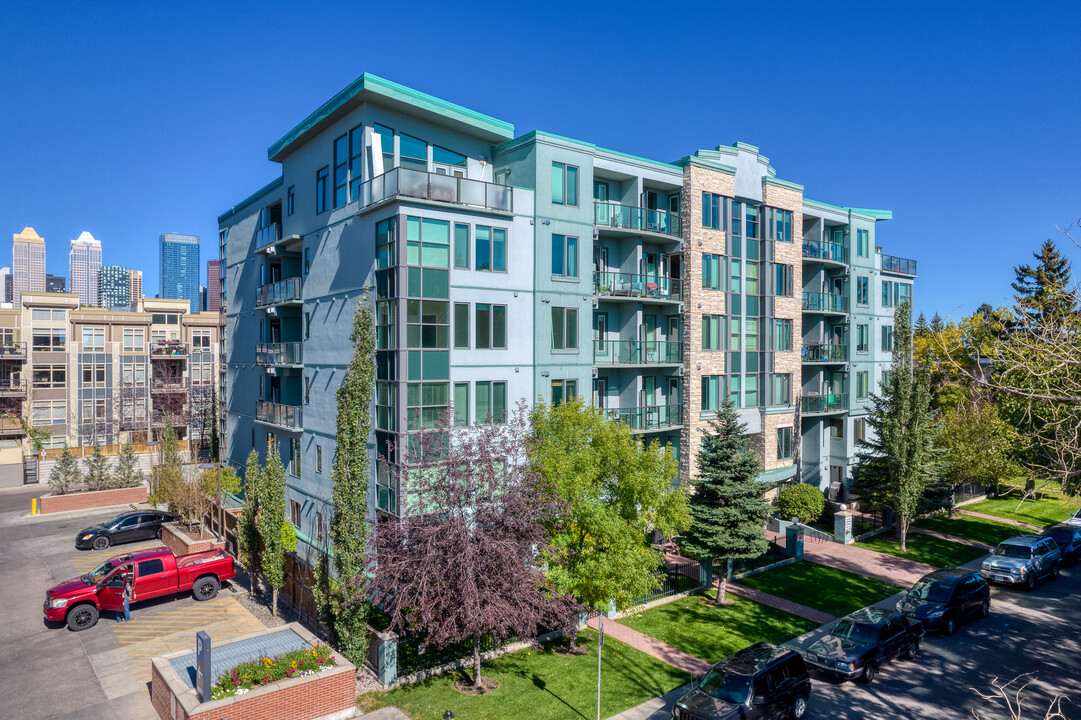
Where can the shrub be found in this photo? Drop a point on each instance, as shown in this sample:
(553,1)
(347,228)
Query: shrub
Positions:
(803,501)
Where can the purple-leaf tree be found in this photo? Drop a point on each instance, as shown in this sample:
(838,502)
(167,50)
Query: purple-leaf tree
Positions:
(459,562)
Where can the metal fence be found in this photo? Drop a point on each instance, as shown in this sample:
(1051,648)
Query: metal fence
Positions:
(773,554)
(682,575)
(865,523)
(969,491)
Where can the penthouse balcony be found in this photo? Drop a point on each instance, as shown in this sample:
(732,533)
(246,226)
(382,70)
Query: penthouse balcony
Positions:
(287,417)
(825,303)
(13,352)
(824,250)
(268,235)
(637,352)
(631,218)
(288,354)
(898,265)
(649,418)
(828,404)
(618,285)
(825,353)
(169,350)
(283,292)
(409,183)
(12,388)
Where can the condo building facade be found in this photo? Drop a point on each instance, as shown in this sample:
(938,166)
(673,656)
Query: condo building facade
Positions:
(503,267)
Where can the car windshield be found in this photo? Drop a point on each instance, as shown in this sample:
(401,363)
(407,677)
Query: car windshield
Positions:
(723,686)
(864,634)
(1014,551)
(100,572)
(935,591)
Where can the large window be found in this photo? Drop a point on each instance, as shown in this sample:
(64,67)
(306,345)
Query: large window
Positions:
(341,171)
(712,273)
(427,242)
(782,280)
(491,245)
(861,384)
(564,328)
(711,211)
(427,324)
(47,315)
(133,374)
(712,386)
(782,335)
(862,341)
(49,412)
(461,325)
(781,389)
(863,243)
(134,339)
(491,327)
(385,232)
(861,291)
(48,339)
(784,443)
(413,152)
(425,404)
(895,293)
(93,339)
(490,401)
(712,332)
(321,176)
(563,390)
(49,376)
(461,246)
(200,341)
(887,338)
(564,256)
(564,184)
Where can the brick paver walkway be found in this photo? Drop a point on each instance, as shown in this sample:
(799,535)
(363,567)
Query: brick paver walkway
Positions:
(1007,521)
(652,646)
(951,538)
(887,568)
(780,603)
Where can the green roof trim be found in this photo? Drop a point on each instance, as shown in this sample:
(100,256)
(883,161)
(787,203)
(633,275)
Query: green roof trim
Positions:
(876,214)
(394,91)
(706,164)
(782,183)
(865,213)
(276,183)
(777,474)
(535,135)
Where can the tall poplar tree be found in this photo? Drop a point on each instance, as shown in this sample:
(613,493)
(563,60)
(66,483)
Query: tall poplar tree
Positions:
(247,536)
(270,521)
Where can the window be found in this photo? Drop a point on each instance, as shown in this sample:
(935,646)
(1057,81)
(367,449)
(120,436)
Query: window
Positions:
(861,384)
(386,141)
(307,325)
(427,324)
(712,276)
(165,319)
(94,339)
(151,567)
(413,152)
(750,275)
(782,280)
(93,375)
(427,242)
(784,443)
(711,211)
(564,184)
(735,333)
(564,256)
(134,339)
(200,341)
(490,400)
(712,332)
(491,249)
(782,335)
(461,325)
(49,376)
(491,327)
(564,328)
(783,225)
(737,218)
(290,199)
(837,428)
(461,246)
(887,338)
(737,276)
(750,391)
(294,513)
(321,189)
(461,404)
(733,393)
(385,402)
(781,389)
(319,458)
(861,291)
(895,293)
(133,374)
(859,429)
(307,389)
(356,161)
(861,338)
(752,222)
(563,390)
(885,377)
(712,385)
(863,243)
(307,260)
(341,171)
(425,404)
(49,412)
(294,457)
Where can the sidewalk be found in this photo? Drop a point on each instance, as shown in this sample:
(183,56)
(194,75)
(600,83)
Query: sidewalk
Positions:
(951,538)
(1005,521)
(650,646)
(887,568)
(779,603)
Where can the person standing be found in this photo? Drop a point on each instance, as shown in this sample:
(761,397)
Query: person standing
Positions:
(128,592)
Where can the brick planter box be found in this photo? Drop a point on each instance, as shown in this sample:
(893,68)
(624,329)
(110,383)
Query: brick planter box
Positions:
(94,499)
(182,544)
(329,695)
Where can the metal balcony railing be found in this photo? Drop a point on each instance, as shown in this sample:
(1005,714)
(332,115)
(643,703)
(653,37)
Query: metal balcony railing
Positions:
(898,265)
(168,348)
(614,215)
(286,416)
(825,302)
(406,182)
(825,353)
(825,250)
(283,291)
(288,354)
(823,404)
(13,351)
(637,352)
(264,236)
(649,417)
(618,284)
(12,387)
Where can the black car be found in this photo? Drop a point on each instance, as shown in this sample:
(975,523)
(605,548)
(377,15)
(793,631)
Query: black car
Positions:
(860,643)
(944,599)
(128,527)
(1068,539)
(761,681)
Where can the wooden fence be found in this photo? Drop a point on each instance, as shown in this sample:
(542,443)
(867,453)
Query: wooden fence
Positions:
(87,451)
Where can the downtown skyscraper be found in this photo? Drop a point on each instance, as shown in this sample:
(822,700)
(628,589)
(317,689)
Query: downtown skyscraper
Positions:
(84,262)
(178,264)
(28,264)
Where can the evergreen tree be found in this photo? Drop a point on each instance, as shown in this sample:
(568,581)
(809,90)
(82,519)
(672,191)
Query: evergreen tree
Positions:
(1044,292)
(65,476)
(128,473)
(247,531)
(922,328)
(899,462)
(210,426)
(271,517)
(97,470)
(937,323)
(727,508)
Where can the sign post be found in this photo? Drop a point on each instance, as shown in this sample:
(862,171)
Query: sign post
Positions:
(202,666)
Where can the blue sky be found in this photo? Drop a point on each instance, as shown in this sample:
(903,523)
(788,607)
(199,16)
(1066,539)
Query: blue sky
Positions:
(129,120)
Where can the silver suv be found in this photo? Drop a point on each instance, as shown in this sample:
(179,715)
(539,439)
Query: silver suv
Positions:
(1023,560)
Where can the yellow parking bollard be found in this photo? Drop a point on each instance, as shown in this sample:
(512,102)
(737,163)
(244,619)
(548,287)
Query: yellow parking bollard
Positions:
(34,506)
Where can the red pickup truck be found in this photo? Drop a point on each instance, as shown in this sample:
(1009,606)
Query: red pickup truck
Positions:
(157,572)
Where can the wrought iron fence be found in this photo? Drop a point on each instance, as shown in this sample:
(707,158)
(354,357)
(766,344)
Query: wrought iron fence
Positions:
(773,554)
(864,523)
(682,575)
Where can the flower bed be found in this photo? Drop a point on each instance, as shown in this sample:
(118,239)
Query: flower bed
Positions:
(264,671)
(93,499)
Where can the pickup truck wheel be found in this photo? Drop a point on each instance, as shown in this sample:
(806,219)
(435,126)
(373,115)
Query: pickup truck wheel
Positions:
(913,648)
(82,617)
(985,608)
(205,588)
(100,542)
(869,673)
(1030,584)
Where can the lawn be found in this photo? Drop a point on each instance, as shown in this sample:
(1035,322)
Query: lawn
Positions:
(830,590)
(979,530)
(1044,512)
(698,627)
(541,685)
(925,549)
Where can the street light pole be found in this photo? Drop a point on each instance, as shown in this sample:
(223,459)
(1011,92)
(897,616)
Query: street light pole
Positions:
(600,647)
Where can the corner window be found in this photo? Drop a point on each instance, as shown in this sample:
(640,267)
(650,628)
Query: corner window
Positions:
(564,256)
(427,242)
(564,184)
(321,176)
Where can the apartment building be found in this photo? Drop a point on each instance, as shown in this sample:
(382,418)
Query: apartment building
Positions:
(505,267)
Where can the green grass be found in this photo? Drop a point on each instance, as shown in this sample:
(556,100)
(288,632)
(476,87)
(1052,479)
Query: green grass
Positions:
(699,628)
(925,549)
(541,685)
(1043,512)
(830,590)
(979,530)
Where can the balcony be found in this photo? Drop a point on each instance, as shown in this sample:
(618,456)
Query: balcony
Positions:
(649,418)
(637,352)
(825,303)
(288,354)
(405,182)
(268,235)
(629,285)
(824,404)
(629,217)
(168,386)
(900,266)
(169,349)
(825,250)
(288,417)
(280,293)
(13,351)
(11,427)
(12,387)
(825,353)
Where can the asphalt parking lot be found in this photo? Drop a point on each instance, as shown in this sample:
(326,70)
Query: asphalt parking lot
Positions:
(100,673)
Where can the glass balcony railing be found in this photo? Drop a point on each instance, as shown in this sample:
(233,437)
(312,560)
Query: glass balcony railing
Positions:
(825,250)
(617,284)
(286,416)
(822,404)
(898,265)
(614,215)
(289,354)
(649,417)
(825,302)
(637,352)
(283,291)
(406,182)
(264,236)
(825,353)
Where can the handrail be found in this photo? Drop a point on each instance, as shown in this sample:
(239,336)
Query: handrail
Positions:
(619,284)
(637,352)
(406,182)
(616,215)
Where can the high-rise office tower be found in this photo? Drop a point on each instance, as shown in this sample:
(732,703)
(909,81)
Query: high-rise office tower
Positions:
(135,284)
(55,284)
(28,264)
(84,262)
(213,285)
(178,264)
(114,288)
(5,284)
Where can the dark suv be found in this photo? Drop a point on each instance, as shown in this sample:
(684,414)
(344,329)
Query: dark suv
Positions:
(759,682)
(1068,539)
(945,598)
(862,642)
